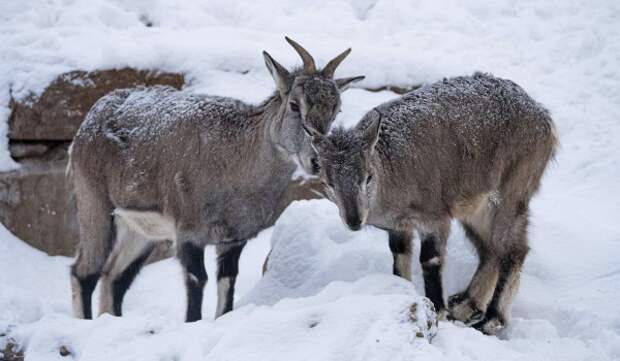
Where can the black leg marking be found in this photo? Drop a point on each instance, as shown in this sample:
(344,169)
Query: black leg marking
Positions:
(400,245)
(87,286)
(492,312)
(508,266)
(122,282)
(430,259)
(228,261)
(227,271)
(193,260)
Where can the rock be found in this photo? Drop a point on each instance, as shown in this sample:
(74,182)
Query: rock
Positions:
(10,351)
(35,206)
(64,351)
(59,111)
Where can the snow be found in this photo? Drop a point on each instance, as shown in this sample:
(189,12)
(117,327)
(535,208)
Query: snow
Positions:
(366,312)
(563,53)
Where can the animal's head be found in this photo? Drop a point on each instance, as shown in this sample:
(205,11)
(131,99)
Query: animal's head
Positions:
(310,98)
(346,169)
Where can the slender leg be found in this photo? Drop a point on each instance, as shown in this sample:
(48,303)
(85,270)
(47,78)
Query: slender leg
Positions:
(469,305)
(227,270)
(127,259)
(82,291)
(97,235)
(193,261)
(400,245)
(432,253)
(512,258)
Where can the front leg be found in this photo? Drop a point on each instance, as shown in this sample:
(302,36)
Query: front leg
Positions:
(432,252)
(400,245)
(192,258)
(227,270)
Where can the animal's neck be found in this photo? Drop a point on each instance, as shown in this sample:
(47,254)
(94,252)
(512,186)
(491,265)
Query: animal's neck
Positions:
(270,113)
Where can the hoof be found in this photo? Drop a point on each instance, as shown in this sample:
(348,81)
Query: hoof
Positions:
(442,315)
(464,309)
(490,326)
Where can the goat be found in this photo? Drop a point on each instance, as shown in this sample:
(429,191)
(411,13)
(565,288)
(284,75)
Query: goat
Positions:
(152,164)
(470,148)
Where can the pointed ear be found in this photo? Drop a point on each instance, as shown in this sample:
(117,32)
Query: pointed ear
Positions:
(370,135)
(279,73)
(318,141)
(344,83)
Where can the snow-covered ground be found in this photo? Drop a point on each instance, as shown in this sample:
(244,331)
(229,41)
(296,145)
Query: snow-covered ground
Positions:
(564,53)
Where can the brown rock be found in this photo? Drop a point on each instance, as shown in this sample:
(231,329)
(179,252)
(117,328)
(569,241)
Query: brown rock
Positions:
(11,352)
(36,207)
(59,111)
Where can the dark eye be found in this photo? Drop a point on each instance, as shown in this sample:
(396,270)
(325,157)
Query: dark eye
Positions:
(369,178)
(294,107)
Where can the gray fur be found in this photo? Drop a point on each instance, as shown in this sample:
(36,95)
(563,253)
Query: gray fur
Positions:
(211,169)
(472,148)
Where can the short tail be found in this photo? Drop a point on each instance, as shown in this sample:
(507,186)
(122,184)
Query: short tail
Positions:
(69,182)
(69,169)
(555,141)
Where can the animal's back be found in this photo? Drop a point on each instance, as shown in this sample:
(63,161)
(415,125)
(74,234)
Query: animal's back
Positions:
(479,110)
(464,134)
(137,140)
(150,115)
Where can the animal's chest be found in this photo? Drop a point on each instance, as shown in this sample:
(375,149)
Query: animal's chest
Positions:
(395,210)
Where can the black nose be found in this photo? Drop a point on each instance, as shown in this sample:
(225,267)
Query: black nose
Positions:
(315,166)
(354,224)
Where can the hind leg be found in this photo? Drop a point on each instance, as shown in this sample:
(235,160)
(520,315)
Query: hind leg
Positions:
(227,270)
(513,240)
(469,305)
(97,236)
(127,259)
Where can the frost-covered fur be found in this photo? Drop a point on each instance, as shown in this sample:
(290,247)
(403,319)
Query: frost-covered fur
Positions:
(472,148)
(200,169)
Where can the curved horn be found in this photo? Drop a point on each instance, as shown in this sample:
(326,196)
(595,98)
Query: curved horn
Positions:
(330,68)
(309,66)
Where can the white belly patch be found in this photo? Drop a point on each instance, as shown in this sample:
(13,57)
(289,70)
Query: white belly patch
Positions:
(152,225)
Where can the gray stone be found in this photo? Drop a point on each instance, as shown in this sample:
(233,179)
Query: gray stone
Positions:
(35,206)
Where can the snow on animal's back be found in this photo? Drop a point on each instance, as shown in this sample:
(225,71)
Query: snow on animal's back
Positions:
(150,114)
(466,108)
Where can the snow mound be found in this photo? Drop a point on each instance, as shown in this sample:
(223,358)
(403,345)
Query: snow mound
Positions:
(311,248)
(345,321)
